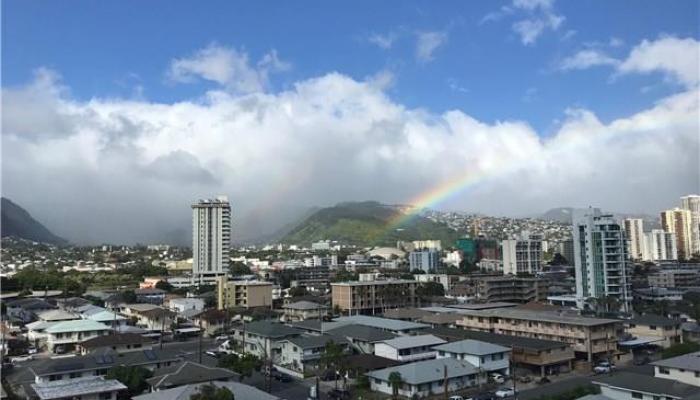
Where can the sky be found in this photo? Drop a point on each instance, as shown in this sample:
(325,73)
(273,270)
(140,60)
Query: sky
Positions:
(116,115)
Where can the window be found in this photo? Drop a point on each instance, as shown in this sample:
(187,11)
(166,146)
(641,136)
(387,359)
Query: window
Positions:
(663,370)
(105,396)
(637,395)
(652,327)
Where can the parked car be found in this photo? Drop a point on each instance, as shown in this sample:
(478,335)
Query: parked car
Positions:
(213,353)
(641,361)
(457,397)
(604,367)
(278,376)
(543,380)
(339,394)
(505,392)
(221,338)
(525,379)
(19,359)
(498,378)
(32,350)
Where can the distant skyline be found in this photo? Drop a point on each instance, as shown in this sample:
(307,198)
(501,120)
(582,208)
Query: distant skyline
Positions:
(118,115)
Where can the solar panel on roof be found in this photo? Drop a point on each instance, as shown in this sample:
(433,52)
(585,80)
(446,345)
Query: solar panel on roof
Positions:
(68,367)
(150,354)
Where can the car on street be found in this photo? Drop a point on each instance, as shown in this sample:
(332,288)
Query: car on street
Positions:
(498,378)
(456,397)
(32,350)
(221,338)
(19,359)
(484,396)
(213,353)
(278,376)
(604,367)
(505,393)
(524,379)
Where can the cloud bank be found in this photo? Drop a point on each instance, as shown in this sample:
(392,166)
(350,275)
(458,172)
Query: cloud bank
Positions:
(121,170)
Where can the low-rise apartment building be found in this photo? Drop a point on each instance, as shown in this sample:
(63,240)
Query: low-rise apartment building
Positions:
(675,278)
(261,338)
(655,330)
(301,355)
(373,297)
(517,289)
(590,337)
(245,294)
(362,338)
(303,310)
(408,348)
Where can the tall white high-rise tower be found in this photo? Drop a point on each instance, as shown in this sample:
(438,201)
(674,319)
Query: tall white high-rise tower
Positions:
(211,239)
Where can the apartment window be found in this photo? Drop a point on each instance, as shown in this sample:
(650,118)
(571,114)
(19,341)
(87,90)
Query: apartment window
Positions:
(652,327)
(663,370)
(637,395)
(105,396)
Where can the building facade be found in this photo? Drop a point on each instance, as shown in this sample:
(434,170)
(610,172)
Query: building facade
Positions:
(679,222)
(245,294)
(634,227)
(660,245)
(372,297)
(425,260)
(601,262)
(211,239)
(691,203)
(521,256)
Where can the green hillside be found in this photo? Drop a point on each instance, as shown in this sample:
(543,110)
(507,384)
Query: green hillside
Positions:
(365,224)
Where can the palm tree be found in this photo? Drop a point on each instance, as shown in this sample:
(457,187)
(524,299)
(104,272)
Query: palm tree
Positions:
(395,380)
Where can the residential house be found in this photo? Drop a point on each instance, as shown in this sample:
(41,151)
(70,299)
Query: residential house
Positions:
(88,388)
(362,338)
(261,338)
(408,348)
(303,310)
(183,304)
(26,309)
(300,355)
(685,368)
(64,336)
(427,377)
(187,373)
(655,330)
(627,385)
(149,316)
(118,342)
(239,390)
(386,324)
(98,364)
(212,321)
(484,356)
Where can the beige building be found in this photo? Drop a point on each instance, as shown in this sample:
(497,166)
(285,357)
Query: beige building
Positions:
(679,222)
(589,337)
(246,294)
(674,278)
(511,289)
(635,233)
(373,296)
(655,329)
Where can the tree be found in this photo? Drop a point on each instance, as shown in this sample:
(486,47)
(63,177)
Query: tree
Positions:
(211,392)
(332,359)
(395,381)
(133,377)
(164,285)
(243,365)
(239,268)
(428,289)
(129,296)
(680,349)
(297,291)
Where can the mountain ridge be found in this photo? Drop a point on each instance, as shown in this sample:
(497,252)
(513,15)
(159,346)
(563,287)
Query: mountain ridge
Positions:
(18,222)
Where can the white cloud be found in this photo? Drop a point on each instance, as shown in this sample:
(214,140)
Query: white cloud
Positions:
(382,41)
(587,58)
(536,16)
(126,170)
(427,43)
(678,58)
(228,67)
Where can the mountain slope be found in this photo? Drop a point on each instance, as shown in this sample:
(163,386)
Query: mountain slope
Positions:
(565,215)
(17,222)
(366,224)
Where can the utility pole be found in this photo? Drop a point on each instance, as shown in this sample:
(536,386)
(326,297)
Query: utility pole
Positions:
(512,372)
(446,389)
(201,334)
(162,332)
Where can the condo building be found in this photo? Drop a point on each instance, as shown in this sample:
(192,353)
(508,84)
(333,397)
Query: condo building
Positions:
(211,239)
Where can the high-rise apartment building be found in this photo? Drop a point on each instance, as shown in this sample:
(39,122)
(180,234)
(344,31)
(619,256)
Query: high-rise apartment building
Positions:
(600,256)
(522,256)
(426,260)
(634,229)
(211,239)
(679,222)
(691,203)
(659,245)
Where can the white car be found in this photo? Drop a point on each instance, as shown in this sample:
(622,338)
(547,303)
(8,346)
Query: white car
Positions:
(604,368)
(456,397)
(18,359)
(498,378)
(505,392)
(221,338)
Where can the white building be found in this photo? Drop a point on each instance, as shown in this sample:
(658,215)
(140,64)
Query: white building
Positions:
(408,348)
(521,256)
(211,239)
(484,356)
(442,279)
(600,255)
(659,245)
(691,203)
(66,334)
(679,222)
(425,260)
(685,368)
(634,227)
(321,245)
(182,305)
(424,378)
